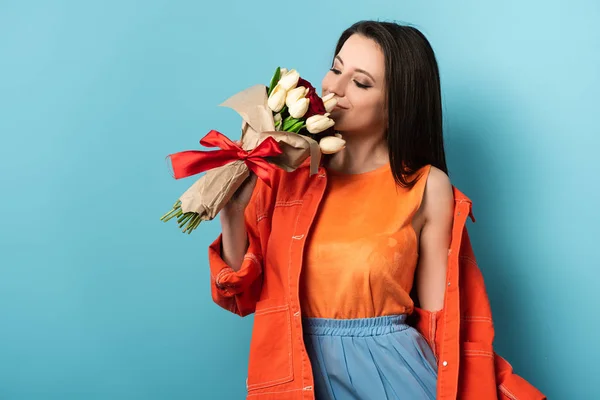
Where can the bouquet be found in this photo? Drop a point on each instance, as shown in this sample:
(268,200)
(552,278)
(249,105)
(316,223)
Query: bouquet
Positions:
(283,124)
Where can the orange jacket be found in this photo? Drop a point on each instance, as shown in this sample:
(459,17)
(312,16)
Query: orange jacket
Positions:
(278,221)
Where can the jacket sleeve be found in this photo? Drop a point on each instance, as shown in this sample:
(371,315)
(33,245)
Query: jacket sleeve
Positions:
(511,386)
(238,291)
(427,323)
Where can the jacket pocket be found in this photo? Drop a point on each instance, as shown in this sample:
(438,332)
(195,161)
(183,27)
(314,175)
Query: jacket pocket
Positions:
(270,360)
(478,373)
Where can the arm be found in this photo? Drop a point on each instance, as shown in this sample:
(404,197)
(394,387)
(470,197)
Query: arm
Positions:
(236,257)
(434,241)
(235,236)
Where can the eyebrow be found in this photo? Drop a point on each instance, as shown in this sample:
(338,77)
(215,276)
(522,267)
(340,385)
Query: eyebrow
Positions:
(357,69)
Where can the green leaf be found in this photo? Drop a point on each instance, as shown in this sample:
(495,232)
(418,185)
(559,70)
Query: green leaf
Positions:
(289,122)
(274,80)
(297,126)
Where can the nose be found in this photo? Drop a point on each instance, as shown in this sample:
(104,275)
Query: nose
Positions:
(336,85)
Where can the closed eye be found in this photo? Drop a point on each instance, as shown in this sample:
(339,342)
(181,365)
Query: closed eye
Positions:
(362,86)
(358,84)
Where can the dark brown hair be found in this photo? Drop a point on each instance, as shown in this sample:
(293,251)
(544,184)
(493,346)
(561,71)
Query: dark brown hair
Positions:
(414,133)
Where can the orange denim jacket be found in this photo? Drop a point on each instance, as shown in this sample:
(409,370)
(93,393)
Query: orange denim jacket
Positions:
(278,221)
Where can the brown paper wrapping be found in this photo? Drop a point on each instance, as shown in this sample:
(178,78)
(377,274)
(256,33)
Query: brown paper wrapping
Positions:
(209,194)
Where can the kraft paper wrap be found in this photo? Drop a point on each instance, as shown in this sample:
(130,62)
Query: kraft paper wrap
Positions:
(209,194)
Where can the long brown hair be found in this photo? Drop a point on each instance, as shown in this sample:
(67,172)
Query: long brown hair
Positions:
(414,133)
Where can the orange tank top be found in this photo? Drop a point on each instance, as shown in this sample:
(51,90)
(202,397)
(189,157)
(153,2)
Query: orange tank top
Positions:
(362,251)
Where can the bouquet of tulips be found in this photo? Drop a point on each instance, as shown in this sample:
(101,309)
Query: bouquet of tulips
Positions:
(283,124)
(297,108)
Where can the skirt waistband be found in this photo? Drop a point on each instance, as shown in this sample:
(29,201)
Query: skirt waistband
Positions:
(355,327)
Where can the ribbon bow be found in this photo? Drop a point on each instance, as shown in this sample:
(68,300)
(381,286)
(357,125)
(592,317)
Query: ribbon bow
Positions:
(192,162)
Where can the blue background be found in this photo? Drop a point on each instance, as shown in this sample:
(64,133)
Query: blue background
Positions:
(101,300)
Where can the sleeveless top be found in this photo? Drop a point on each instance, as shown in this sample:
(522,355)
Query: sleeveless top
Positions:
(362,250)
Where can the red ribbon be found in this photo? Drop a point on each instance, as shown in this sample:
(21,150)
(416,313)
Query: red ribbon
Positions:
(192,162)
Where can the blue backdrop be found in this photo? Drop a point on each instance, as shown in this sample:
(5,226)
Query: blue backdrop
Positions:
(101,300)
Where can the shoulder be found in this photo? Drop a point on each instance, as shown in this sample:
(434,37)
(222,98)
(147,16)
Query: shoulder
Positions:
(438,183)
(438,196)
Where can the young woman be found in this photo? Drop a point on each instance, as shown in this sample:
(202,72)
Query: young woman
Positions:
(383,226)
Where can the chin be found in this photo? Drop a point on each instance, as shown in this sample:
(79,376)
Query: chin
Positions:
(339,121)
(343,125)
(339,127)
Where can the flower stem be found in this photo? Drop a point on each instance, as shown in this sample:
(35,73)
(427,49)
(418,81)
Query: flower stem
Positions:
(198,221)
(193,224)
(170,214)
(184,218)
(189,224)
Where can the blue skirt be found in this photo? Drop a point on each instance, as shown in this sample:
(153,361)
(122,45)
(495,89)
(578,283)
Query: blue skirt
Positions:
(369,358)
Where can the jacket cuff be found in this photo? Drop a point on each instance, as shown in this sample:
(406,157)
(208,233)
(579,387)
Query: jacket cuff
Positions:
(427,322)
(226,281)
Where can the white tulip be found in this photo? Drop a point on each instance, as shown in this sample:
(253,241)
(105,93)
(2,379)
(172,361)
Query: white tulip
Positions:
(295,94)
(289,80)
(282,71)
(319,123)
(299,108)
(331,144)
(276,100)
(330,101)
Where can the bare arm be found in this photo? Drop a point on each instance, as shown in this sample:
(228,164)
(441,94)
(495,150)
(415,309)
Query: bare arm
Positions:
(235,237)
(233,225)
(436,234)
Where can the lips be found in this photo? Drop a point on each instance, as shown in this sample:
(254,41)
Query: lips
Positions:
(337,106)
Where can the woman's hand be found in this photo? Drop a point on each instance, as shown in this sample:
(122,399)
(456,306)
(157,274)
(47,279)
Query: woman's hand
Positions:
(240,199)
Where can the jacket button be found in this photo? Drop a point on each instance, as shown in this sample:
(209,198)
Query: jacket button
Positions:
(445,363)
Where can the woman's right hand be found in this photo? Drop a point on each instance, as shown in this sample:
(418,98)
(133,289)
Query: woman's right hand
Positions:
(241,198)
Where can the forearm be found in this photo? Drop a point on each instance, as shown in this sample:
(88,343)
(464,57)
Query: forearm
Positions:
(235,237)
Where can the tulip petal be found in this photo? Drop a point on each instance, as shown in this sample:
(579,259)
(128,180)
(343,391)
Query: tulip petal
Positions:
(331,144)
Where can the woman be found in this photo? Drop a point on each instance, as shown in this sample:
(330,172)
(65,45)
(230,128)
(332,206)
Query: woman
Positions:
(362,254)
(328,263)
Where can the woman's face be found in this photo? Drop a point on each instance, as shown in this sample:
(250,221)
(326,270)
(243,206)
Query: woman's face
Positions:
(358,80)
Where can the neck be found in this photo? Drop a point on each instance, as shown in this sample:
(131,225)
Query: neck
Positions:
(363,153)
